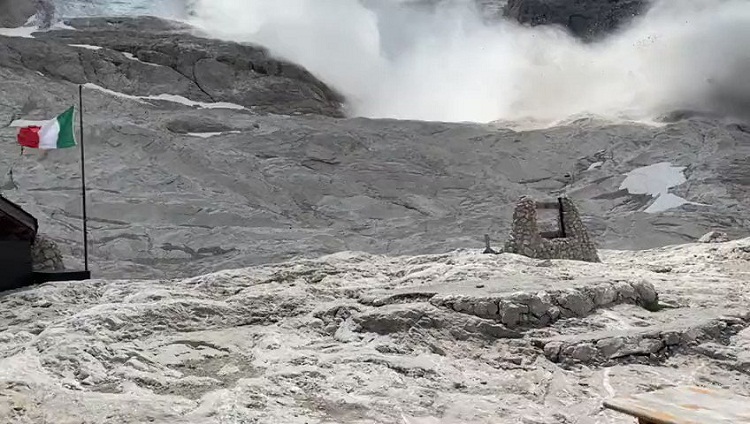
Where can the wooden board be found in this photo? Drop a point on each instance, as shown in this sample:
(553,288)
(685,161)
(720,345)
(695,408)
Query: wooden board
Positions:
(685,405)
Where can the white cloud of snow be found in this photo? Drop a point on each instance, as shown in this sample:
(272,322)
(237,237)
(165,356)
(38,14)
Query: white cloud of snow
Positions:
(394,60)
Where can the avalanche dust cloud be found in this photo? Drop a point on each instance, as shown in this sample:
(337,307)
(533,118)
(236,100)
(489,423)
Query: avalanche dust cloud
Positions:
(396,59)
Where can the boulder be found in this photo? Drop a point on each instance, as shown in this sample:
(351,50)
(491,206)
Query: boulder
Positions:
(714,237)
(587,19)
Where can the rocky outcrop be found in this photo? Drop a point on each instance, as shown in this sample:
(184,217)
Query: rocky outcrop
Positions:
(587,19)
(714,237)
(644,344)
(14,13)
(570,241)
(547,307)
(46,255)
(150,56)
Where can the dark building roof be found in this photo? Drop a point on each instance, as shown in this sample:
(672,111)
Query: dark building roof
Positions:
(16,223)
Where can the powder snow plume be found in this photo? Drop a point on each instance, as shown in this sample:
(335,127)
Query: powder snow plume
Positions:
(395,59)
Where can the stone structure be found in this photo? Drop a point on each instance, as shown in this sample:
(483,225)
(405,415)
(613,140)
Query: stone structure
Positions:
(571,241)
(46,256)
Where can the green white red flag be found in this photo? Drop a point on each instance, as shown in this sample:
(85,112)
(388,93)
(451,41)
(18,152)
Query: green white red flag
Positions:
(57,133)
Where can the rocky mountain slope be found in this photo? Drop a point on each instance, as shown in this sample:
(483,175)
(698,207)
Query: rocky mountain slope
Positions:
(206,155)
(15,13)
(356,338)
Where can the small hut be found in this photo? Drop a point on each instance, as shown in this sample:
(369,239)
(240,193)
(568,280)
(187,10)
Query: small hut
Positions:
(18,231)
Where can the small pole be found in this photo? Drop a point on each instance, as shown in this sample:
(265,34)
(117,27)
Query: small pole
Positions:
(561,208)
(83,182)
(488,250)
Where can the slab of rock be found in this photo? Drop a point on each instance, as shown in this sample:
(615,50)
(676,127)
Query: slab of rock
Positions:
(654,343)
(198,68)
(546,307)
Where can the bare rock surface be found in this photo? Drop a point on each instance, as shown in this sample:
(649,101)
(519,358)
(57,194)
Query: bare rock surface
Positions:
(14,13)
(308,341)
(150,56)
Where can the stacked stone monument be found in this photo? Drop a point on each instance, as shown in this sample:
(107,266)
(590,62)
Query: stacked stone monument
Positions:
(571,242)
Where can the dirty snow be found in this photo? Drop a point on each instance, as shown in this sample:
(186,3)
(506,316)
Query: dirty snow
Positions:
(86,46)
(211,134)
(656,180)
(168,98)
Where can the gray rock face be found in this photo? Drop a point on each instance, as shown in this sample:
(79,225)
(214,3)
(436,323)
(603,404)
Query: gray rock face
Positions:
(197,68)
(14,13)
(588,19)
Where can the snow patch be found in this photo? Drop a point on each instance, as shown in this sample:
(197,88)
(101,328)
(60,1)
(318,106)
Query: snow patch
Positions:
(86,46)
(21,32)
(656,180)
(187,102)
(132,57)
(173,98)
(27,31)
(62,25)
(595,165)
(211,134)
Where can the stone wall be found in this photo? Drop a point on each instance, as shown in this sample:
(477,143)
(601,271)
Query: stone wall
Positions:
(525,238)
(45,255)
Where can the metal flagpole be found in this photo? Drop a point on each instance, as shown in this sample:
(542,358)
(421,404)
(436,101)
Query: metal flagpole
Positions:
(83,182)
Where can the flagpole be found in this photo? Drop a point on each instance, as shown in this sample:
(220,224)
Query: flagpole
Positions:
(83,182)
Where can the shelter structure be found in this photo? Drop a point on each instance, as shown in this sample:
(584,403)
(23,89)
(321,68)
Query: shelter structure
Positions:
(570,240)
(18,230)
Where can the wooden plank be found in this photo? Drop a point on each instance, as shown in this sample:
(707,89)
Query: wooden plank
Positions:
(685,405)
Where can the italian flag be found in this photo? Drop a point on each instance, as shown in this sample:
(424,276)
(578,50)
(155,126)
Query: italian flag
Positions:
(55,134)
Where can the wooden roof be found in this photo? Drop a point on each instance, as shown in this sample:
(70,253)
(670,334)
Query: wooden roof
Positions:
(16,223)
